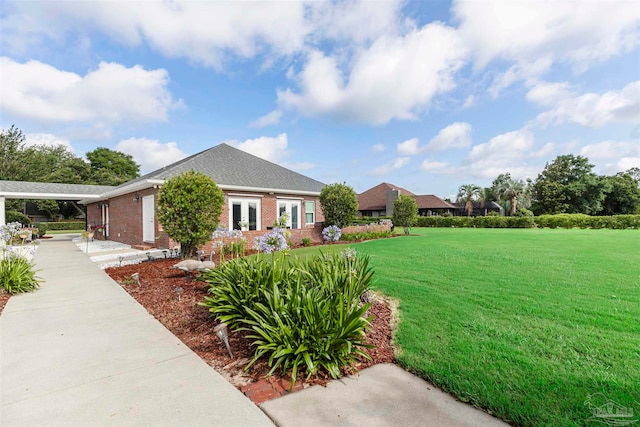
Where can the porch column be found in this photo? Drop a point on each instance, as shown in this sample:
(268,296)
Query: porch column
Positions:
(3,219)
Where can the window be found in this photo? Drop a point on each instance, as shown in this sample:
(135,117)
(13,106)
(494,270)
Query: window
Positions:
(244,214)
(292,207)
(310,212)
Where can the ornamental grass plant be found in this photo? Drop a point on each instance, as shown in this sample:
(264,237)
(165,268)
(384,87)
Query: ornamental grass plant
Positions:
(301,314)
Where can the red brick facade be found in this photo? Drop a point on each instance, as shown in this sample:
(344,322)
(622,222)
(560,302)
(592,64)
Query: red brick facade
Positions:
(124,222)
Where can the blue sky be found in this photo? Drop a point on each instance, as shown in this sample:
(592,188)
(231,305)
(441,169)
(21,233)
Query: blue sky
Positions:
(427,95)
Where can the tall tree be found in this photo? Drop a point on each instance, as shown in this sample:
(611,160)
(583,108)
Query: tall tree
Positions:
(111,167)
(467,194)
(511,190)
(623,195)
(405,211)
(13,155)
(568,185)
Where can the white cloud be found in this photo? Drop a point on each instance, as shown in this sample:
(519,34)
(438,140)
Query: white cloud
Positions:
(456,135)
(386,169)
(151,154)
(507,152)
(525,30)
(272,118)
(378,148)
(357,21)
(392,79)
(468,102)
(611,150)
(409,147)
(48,140)
(269,148)
(112,93)
(438,168)
(203,32)
(591,109)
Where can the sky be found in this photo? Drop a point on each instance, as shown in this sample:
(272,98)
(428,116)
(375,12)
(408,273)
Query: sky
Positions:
(425,95)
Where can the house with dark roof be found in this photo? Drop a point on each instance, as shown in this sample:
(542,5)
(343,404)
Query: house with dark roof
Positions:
(256,193)
(479,209)
(379,200)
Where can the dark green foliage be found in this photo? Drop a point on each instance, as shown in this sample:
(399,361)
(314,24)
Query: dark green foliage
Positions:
(17,275)
(568,185)
(66,225)
(15,216)
(189,207)
(623,195)
(616,222)
(303,315)
(43,227)
(306,241)
(475,222)
(405,212)
(523,212)
(467,194)
(339,205)
(50,207)
(112,167)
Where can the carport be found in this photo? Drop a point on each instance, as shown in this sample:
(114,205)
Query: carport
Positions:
(47,191)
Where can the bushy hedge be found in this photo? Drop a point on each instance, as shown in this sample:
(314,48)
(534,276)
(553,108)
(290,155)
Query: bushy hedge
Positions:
(618,222)
(15,216)
(475,222)
(302,315)
(365,235)
(366,220)
(75,225)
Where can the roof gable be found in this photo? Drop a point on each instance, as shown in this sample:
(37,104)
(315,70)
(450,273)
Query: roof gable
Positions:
(375,198)
(231,167)
(429,201)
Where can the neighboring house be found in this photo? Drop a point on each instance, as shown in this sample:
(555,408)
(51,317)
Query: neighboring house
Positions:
(256,193)
(379,200)
(479,209)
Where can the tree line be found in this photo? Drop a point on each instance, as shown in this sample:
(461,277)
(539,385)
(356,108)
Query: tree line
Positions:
(20,161)
(566,185)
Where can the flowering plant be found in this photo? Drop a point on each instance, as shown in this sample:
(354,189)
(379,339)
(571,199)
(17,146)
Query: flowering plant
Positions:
(331,233)
(219,237)
(273,241)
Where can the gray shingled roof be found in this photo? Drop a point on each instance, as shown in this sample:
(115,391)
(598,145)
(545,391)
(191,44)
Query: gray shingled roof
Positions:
(233,167)
(35,188)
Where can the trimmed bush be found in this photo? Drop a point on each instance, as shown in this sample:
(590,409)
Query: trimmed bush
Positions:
(477,222)
(67,225)
(15,216)
(616,222)
(365,235)
(43,227)
(303,315)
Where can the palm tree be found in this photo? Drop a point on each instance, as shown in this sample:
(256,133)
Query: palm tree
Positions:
(513,190)
(467,194)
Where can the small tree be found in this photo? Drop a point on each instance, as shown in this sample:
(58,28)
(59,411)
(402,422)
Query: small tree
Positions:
(405,211)
(339,205)
(189,208)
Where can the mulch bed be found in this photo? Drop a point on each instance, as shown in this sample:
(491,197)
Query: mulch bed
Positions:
(4,297)
(193,325)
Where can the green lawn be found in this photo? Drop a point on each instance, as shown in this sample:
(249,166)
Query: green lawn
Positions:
(524,323)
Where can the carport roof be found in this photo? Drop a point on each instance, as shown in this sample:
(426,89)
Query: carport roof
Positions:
(53,191)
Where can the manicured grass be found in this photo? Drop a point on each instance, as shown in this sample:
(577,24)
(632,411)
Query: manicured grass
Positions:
(524,323)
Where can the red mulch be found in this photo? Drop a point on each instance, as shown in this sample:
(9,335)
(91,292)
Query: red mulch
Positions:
(193,325)
(4,297)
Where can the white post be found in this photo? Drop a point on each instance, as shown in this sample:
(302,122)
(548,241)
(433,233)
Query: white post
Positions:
(3,218)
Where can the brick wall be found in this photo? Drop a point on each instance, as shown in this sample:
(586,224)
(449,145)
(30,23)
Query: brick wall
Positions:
(125,217)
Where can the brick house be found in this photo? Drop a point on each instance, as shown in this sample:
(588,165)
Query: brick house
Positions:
(379,200)
(256,193)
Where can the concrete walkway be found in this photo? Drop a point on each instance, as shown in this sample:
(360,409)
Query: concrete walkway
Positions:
(81,352)
(383,395)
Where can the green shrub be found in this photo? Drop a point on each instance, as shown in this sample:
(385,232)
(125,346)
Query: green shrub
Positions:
(365,235)
(17,275)
(42,229)
(523,212)
(66,225)
(306,241)
(303,315)
(618,222)
(15,216)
